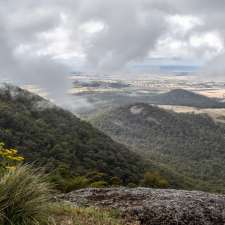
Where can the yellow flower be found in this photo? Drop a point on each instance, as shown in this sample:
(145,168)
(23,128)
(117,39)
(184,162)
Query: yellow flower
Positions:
(9,157)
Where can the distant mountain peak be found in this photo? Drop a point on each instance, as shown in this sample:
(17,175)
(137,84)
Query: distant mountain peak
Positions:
(186,98)
(181,91)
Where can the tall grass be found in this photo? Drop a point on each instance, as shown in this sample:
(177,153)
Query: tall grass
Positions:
(24,197)
(66,214)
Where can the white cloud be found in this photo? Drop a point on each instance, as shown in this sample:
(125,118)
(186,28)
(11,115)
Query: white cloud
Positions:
(181,24)
(92,27)
(105,34)
(208,39)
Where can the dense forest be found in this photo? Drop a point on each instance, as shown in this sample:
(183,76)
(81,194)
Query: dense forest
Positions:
(192,145)
(48,135)
(78,155)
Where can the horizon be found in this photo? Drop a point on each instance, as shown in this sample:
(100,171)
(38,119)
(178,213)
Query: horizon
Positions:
(43,43)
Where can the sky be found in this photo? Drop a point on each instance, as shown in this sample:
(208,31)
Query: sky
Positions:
(42,41)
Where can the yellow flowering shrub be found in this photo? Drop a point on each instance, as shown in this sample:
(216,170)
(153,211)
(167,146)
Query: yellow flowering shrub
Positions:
(9,158)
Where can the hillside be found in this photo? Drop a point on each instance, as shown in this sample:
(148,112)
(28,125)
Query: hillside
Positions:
(192,145)
(186,98)
(176,97)
(53,137)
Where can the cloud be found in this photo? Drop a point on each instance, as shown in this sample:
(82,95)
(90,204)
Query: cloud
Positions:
(21,28)
(214,70)
(127,35)
(105,35)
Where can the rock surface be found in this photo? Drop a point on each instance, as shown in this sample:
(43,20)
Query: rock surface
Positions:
(156,206)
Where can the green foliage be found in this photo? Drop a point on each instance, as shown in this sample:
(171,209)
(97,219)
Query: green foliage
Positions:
(55,138)
(155,180)
(132,185)
(24,197)
(96,176)
(75,183)
(65,214)
(93,179)
(115,181)
(99,184)
(187,149)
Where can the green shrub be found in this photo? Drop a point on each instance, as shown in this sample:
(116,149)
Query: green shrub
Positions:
(116,181)
(96,176)
(99,184)
(154,179)
(24,197)
(76,183)
(132,185)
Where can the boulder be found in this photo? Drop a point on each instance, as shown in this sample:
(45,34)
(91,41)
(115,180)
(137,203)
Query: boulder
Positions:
(156,206)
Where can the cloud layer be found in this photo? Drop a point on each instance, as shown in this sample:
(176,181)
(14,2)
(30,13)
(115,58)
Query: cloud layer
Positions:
(105,35)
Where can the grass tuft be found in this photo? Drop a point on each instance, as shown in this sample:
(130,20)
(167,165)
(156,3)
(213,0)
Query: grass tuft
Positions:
(66,214)
(24,197)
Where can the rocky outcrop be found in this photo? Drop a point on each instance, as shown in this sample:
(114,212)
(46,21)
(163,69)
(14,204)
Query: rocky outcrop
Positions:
(156,206)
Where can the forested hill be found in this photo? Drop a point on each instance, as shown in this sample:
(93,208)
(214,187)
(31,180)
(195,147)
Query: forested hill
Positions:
(186,98)
(51,136)
(193,145)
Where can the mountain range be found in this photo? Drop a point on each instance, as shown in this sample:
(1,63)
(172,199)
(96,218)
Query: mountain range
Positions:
(124,143)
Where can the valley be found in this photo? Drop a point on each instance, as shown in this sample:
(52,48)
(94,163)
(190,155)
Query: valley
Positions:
(97,83)
(176,123)
(104,92)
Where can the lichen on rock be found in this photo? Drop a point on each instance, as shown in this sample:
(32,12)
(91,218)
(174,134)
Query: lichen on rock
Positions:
(156,206)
